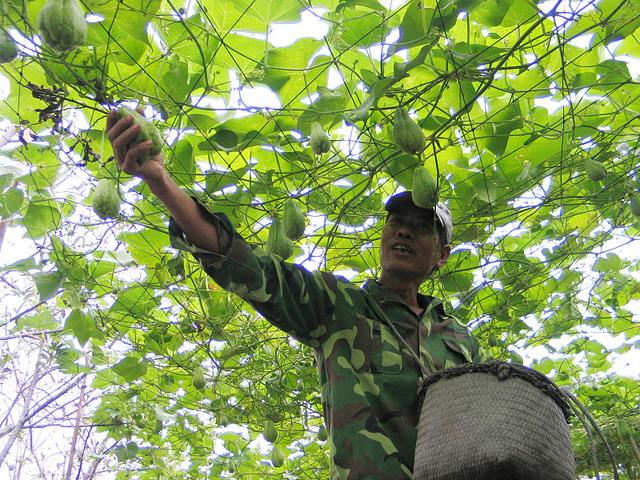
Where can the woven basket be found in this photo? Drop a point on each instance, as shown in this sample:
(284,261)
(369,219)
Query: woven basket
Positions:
(493,421)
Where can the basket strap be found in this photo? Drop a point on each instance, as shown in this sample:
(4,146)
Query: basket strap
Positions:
(424,373)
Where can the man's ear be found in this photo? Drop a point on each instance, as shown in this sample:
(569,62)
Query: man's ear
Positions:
(444,256)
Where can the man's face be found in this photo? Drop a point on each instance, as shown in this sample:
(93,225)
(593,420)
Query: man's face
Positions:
(409,246)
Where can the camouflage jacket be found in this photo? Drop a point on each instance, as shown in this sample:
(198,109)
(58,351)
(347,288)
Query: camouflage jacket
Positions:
(368,379)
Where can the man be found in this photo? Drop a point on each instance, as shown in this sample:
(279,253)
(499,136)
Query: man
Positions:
(369,341)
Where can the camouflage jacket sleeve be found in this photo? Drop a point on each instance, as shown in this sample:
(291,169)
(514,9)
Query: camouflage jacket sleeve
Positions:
(292,298)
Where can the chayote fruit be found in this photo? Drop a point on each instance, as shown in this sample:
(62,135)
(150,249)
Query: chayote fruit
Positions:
(277,456)
(634,204)
(625,432)
(277,242)
(323,434)
(595,170)
(148,131)
(294,222)
(62,24)
(424,191)
(106,201)
(198,381)
(407,134)
(269,432)
(319,140)
(8,48)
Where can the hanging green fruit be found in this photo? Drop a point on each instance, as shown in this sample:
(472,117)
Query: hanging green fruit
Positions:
(8,48)
(147,131)
(198,381)
(634,204)
(277,242)
(424,190)
(319,140)
(106,201)
(595,170)
(407,134)
(492,340)
(223,420)
(277,456)
(294,222)
(269,432)
(323,434)
(62,24)
(624,430)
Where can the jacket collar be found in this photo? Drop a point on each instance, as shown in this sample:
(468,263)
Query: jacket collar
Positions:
(384,296)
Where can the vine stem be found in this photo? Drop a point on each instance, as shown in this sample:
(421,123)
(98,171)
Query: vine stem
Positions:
(4,222)
(634,447)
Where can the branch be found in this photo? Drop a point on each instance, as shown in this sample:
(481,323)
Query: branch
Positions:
(27,403)
(24,312)
(34,335)
(76,430)
(94,468)
(3,228)
(30,415)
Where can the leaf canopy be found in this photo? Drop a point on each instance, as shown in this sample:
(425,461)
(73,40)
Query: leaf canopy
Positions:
(513,97)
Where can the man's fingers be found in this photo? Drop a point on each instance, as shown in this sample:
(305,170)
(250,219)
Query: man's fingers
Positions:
(122,141)
(131,159)
(112,119)
(140,149)
(117,126)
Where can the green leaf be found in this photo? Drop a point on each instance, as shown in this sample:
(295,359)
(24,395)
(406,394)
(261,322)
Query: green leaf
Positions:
(127,452)
(421,26)
(282,65)
(358,28)
(67,359)
(82,326)
(372,4)
(183,167)
(41,218)
(43,320)
(610,263)
(613,73)
(135,301)
(505,121)
(48,284)
(622,18)
(326,109)
(23,265)
(146,246)
(130,368)
(217,181)
(11,202)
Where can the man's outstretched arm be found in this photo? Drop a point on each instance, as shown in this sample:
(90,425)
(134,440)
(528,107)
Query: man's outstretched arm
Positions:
(182,208)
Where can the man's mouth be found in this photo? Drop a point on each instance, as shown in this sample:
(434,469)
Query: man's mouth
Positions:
(402,249)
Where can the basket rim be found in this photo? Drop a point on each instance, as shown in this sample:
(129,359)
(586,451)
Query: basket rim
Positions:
(504,370)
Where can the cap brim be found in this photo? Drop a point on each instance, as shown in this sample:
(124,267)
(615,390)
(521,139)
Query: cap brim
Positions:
(402,199)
